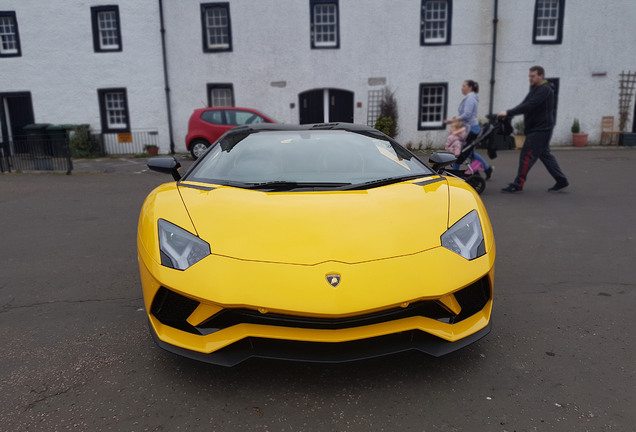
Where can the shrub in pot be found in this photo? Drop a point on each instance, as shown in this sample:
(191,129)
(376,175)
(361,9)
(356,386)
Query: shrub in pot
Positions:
(152,149)
(579,139)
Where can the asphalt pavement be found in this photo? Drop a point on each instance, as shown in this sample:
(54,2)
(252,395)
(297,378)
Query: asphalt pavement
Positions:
(77,355)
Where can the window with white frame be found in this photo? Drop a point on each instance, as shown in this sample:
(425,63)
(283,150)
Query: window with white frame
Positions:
(324,24)
(436,22)
(113,105)
(9,36)
(548,21)
(217,31)
(374,104)
(220,95)
(433,106)
(106,28)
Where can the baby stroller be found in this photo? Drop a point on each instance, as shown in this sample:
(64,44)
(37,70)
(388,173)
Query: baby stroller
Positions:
(469,169)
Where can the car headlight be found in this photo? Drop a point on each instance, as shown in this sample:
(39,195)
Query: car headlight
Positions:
(180,249)
(466,238)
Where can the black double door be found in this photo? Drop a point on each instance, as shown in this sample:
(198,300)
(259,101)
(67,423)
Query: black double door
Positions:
(326,106)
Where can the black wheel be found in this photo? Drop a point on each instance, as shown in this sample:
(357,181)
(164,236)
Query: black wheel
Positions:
(477,182)
(198,147)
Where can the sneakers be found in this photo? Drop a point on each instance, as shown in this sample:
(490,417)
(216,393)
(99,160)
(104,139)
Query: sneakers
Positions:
(489,173)
(511,188)
(559,185)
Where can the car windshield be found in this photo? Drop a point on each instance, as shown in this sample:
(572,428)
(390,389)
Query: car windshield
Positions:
(306,158)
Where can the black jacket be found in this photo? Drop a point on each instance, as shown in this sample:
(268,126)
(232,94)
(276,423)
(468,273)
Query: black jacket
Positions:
(537,108)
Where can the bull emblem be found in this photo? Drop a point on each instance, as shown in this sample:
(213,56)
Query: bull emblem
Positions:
(334,279)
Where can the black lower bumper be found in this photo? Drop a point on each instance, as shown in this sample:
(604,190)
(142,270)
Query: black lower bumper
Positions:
(327,352)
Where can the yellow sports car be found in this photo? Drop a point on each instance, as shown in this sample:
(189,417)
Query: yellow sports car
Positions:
(322,242)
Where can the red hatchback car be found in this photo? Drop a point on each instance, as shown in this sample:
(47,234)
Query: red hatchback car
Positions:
(206,125)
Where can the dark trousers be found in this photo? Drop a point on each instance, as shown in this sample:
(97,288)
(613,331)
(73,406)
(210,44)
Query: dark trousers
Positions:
(537,146)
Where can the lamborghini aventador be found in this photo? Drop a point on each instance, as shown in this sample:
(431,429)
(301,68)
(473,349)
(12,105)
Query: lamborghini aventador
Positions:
(327,242)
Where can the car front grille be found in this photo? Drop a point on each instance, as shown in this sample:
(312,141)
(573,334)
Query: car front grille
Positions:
(173,309)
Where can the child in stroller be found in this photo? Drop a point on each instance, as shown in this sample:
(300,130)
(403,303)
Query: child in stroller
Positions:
(464,152)
(456,139)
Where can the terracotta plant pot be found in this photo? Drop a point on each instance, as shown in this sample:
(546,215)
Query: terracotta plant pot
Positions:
(579,139)
(152,151)
(519,140)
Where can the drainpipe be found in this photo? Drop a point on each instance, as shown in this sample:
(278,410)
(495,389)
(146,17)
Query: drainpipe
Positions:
(165,77)
(495,21)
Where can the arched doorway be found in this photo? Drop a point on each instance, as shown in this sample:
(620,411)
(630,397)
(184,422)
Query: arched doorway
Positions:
(325,106)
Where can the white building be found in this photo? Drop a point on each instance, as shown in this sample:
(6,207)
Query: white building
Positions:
(144,65)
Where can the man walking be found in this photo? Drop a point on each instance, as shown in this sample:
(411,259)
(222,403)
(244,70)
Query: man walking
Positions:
(538,115)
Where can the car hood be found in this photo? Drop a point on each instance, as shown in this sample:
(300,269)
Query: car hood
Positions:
(307,228)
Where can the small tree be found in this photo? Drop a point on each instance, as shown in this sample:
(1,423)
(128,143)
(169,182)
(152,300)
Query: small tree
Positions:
(388,120)
(386,125)
(83,143)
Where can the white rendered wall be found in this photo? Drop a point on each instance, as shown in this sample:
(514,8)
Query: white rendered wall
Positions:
(598,39)
(271,44)
(61,70)
(380,39)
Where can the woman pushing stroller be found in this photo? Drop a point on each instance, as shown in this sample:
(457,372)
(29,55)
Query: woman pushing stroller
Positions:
(467,114)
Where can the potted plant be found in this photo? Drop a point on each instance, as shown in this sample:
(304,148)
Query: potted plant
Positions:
(519,136)
(151,149)
(578,139)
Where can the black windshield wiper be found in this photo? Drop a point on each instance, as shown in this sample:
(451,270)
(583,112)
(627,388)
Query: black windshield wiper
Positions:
(289,185)
(385,181)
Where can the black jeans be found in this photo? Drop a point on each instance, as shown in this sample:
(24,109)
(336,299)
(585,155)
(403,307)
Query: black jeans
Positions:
(537,146)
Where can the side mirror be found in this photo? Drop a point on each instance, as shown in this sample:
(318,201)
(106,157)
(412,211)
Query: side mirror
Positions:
(166,165)
(439,160)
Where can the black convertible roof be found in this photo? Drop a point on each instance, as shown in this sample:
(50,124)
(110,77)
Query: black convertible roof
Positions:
(353,127)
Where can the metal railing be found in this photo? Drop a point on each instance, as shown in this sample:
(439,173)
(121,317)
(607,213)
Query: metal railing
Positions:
(43,150)
(134,142)
(36,153)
